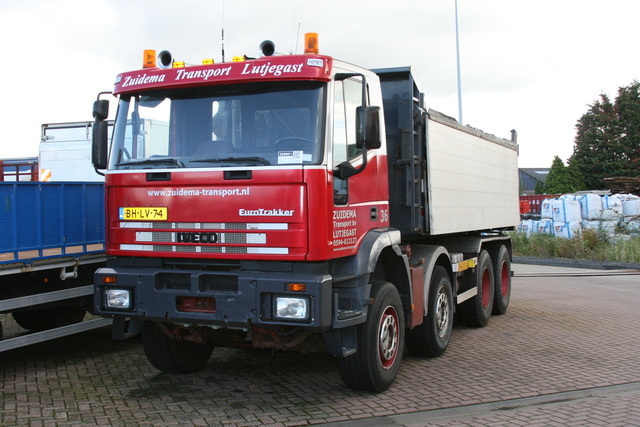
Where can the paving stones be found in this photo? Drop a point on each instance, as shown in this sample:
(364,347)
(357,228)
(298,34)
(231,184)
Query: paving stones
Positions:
(560,334)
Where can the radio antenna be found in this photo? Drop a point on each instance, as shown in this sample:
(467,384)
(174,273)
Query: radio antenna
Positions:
(293,29)
(222,30)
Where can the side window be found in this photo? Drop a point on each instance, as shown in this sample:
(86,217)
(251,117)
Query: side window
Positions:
(348,97)
(340,186)
(352,99)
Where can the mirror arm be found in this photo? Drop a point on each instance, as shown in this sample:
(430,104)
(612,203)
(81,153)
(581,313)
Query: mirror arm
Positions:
(345,170)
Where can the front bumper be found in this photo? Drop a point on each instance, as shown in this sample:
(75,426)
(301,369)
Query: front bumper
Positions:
(225,299)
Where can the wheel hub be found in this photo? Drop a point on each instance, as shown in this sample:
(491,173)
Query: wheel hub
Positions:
(388,337)
(442,314)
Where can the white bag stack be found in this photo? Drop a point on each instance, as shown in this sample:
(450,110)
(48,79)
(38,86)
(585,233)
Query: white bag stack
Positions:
(612,203)
(568,215)
(546,209)
(526,226)
(590,206)
(633,226)
(543,227)
(631,212)
(568,230)
(566,210)
(631,207)
(608,227)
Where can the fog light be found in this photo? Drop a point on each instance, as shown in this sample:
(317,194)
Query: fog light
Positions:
(117,298)
(292,308)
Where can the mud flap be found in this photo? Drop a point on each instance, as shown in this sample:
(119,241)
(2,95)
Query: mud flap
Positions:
(124,328)
(341,342)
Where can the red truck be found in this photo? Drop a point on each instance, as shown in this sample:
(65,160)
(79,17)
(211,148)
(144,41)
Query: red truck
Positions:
(291,200)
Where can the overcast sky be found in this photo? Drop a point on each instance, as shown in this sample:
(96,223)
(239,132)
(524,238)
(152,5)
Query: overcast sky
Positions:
(529,66)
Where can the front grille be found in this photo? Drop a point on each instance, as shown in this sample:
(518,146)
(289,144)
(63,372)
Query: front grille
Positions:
(201,237)
(172,281)
(218,283)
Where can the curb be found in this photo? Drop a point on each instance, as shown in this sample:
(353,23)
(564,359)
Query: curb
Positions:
(576,263)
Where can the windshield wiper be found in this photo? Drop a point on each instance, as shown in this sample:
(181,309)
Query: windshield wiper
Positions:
(153,162)
(234,160)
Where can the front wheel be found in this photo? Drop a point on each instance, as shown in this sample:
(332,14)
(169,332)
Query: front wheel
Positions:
(431,338)
(375,365)
(169,355)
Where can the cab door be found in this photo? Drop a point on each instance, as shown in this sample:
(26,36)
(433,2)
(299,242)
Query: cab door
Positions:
(358,201)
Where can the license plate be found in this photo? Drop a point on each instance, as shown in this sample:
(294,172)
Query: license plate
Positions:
(143,214)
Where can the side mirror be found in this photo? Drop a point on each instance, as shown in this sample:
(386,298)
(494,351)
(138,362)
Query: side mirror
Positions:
(101,110)
(100,133)
(99,144)
(368,127)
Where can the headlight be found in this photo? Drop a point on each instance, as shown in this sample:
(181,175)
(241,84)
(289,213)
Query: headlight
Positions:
(292,308)
(117,298)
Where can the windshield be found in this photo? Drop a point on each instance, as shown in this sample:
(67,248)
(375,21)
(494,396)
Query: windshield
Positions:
(248,125)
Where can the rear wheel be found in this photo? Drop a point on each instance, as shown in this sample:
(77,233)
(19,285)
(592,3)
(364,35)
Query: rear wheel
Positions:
(375,365)
(502,280)
(431,338)
(173,356)
(477,310)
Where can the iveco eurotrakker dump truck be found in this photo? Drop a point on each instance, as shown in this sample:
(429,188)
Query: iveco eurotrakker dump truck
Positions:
(295,197)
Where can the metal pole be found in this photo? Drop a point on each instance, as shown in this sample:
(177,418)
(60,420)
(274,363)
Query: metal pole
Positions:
(458,65)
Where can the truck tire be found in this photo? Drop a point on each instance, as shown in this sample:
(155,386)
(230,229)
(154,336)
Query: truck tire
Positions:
(477,310)
(168,355)
(50,318)
(431,338)
(502,280)
(375,365)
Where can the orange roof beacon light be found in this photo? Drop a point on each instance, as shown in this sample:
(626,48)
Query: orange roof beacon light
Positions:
(311,43)
(149,58)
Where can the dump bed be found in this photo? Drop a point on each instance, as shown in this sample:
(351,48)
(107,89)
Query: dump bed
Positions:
(44,223)
(444,178)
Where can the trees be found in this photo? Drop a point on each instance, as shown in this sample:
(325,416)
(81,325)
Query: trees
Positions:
(607,142)
(563,179)
(539,188)
(627,106)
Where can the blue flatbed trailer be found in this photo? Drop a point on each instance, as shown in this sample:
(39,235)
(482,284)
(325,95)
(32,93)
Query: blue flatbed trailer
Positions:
(52,239)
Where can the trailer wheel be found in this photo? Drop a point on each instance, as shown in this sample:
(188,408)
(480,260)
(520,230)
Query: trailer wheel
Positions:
(431,338)
(375,365)
(50,318)
(168,355)
(477,310)
(502,280)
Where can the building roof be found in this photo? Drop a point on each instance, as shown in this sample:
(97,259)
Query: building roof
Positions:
(539,174)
